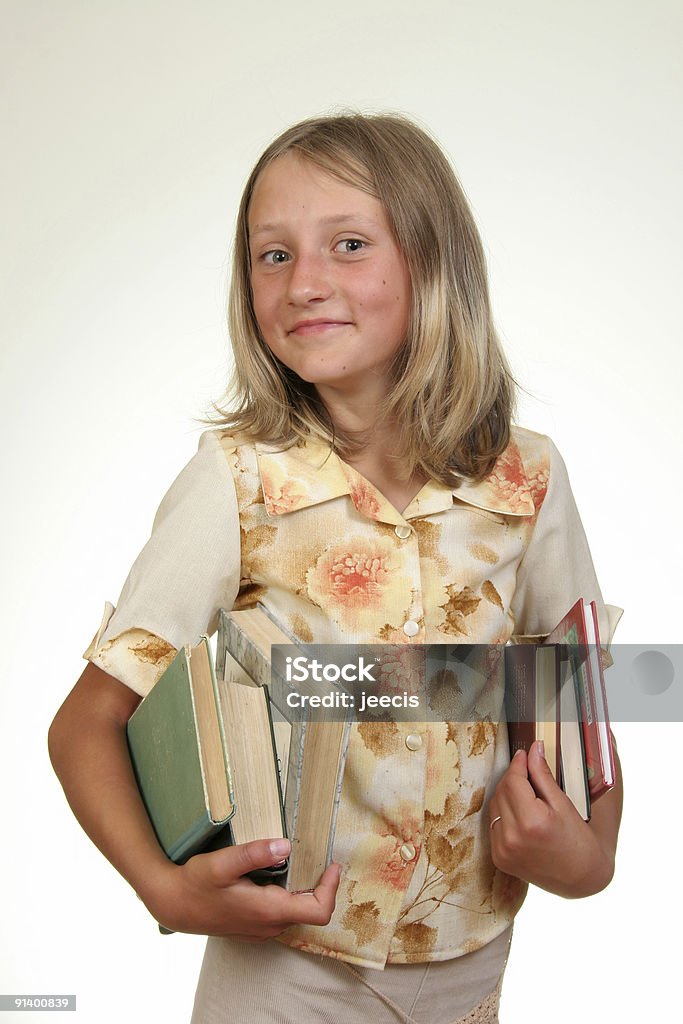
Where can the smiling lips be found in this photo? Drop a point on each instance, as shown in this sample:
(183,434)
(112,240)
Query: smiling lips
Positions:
(304,327)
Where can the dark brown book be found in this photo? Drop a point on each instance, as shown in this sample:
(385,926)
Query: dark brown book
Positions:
(532,691)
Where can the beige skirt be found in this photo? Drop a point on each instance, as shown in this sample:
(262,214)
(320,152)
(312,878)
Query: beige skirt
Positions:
(270,983)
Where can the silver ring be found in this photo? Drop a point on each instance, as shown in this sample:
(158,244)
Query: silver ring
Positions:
(497,818)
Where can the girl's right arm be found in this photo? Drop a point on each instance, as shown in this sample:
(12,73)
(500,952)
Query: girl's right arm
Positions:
(208,895)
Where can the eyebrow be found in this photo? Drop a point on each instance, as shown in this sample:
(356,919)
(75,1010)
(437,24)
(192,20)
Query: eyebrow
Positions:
(337,218)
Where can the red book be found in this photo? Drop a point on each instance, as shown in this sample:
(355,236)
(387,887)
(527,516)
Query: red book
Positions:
(579,632)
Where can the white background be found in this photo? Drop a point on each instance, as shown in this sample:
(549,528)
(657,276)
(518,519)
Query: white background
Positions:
(128,129)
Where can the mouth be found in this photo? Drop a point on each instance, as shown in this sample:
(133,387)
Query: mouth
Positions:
(320,326)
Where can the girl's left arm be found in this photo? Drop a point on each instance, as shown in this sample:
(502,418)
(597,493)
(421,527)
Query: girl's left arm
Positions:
(540,837)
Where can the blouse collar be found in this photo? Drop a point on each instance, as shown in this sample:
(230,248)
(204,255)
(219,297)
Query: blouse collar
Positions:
(311,473)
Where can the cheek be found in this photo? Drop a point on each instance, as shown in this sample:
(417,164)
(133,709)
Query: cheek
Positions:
(263,308)
(394,292)
(393,307)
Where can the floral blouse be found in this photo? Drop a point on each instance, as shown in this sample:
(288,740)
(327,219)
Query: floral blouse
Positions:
(320,547)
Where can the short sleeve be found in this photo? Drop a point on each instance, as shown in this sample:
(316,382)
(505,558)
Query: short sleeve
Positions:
(557,568)
(188,569)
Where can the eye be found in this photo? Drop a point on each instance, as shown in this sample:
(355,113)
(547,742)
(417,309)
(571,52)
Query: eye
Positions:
(274,257)
(349,245)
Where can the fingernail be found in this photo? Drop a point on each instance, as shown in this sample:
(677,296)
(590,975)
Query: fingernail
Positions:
(518,753)
(280,847)
(540,748)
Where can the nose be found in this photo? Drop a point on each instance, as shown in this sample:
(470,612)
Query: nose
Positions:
(309,279)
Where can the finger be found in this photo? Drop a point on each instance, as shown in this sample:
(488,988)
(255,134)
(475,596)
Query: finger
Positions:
(316,907)
(514,787)
(515,797)
(495,824)
(518,764)
(235,861)
(326,890)
(541,776)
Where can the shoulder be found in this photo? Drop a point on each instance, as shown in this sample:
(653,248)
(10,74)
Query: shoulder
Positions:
(533,448)
(537,459)
(218,439)
(205,487)
(543,465)
(226,452)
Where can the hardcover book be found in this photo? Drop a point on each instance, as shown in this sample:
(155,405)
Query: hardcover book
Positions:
(253,761)
(179,755)
(574,770)
(542,703)
(311,746)
(578,630)
(532,700)
(204,758)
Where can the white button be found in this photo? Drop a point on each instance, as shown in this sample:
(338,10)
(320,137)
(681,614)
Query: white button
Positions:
(402,532)
(411,628)
(407,851)
(413,742)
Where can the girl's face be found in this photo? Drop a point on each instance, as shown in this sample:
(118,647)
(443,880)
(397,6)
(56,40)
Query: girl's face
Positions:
(331,288)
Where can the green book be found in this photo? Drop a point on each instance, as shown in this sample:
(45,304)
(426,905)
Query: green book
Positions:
(178,750)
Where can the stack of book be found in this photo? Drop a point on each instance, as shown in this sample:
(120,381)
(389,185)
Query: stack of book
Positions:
(555,692)
(221,757)
(310,745)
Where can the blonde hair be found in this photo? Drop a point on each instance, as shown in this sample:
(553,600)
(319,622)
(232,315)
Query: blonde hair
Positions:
(452,392)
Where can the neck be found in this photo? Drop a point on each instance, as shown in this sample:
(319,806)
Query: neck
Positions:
(356,412)
(382,468)
(378,460)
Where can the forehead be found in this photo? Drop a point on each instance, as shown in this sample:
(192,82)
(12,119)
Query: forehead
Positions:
(292,189)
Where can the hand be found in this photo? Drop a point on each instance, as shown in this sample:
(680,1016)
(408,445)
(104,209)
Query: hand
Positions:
(209,894)
(540,836)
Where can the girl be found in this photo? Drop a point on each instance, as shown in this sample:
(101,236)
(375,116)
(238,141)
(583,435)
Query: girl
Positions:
(366,485)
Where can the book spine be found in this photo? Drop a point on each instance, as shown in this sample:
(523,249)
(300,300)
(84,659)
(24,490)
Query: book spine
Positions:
(221,727)
(526,706)
(588,722)
(574,769)
(275,759)
(338,790)
(602,723)
(193,839)
(572,633)
(520,700)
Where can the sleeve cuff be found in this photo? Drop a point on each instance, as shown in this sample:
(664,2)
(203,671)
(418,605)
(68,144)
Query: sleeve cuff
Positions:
(613,615)
(135,657)
(611,620)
